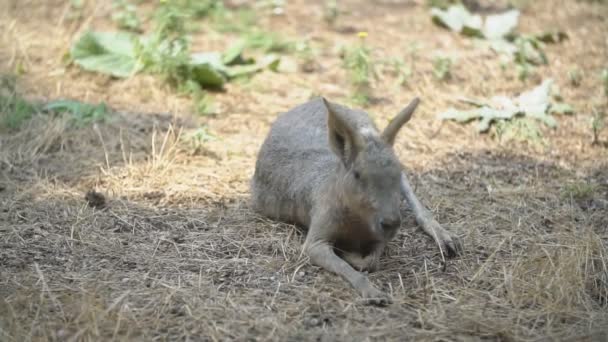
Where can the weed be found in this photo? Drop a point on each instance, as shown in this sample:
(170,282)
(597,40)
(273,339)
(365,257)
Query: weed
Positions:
(598,122)
(576,77)
(197,139)
(167,51)
(401,71)
(528,54)
(442,68)
(360,65)
(578,190)
(125,15)
(306,54)
(519,129)
(80,113)
(443,4)
(14,110)
(331,12)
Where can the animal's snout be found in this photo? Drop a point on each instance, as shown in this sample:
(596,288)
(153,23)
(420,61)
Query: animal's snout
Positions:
(390,223)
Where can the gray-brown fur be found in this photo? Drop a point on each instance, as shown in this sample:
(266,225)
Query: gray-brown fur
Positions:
(328,168)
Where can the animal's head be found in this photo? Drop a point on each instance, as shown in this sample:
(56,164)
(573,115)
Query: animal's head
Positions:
(370,181)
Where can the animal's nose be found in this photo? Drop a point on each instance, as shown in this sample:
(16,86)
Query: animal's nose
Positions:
(390,223)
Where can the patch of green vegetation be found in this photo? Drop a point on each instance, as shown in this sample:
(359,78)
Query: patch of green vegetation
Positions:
(80,113)
(514,118)
(402,71)
(125,15)
(167,50)
(331,12)
(442,68)
(14,110)
(575,76)
(598,123)
(359,63)
(442,4)
(579,190)
(520,129)
(529,53)
(196,140)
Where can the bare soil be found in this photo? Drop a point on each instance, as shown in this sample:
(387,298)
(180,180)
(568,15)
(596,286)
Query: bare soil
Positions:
(122,230)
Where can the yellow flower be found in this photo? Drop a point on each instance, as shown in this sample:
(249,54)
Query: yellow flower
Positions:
(362,34)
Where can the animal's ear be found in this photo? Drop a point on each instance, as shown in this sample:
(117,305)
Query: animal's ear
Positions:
(344,140)
(390,132)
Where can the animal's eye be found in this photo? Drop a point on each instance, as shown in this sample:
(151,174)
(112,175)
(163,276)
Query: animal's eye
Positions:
(357,175)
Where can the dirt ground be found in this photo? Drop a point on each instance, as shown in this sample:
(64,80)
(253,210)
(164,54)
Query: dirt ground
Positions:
(175,253)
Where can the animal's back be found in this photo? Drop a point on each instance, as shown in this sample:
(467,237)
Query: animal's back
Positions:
(294,161)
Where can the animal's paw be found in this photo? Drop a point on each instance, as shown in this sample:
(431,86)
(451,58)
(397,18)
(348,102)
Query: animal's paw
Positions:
(369,263)
(449,243)
(373,296)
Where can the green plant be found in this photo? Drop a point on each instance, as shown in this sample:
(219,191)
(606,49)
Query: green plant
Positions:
(519,129)
(307,55)
(539,103)
(442,4)
(402,71)
(598,122)
(14,110)
(578,190)
(442,68)
(167,51)
(203,103)
(529,53)
(359,63)
(576,77)
(331,12)
(80,113)
(125,15)
(197,139)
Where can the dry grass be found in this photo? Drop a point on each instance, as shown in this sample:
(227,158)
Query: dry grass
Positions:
(176,254)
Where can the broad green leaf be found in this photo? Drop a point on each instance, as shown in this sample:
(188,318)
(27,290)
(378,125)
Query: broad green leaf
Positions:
(207,76)
(234,54)
(537,99)
(111,53)
(458,19)
(533,104)
(208,69)
(499,25)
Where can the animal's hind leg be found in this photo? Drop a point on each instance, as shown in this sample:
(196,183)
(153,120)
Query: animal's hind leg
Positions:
(448,243)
